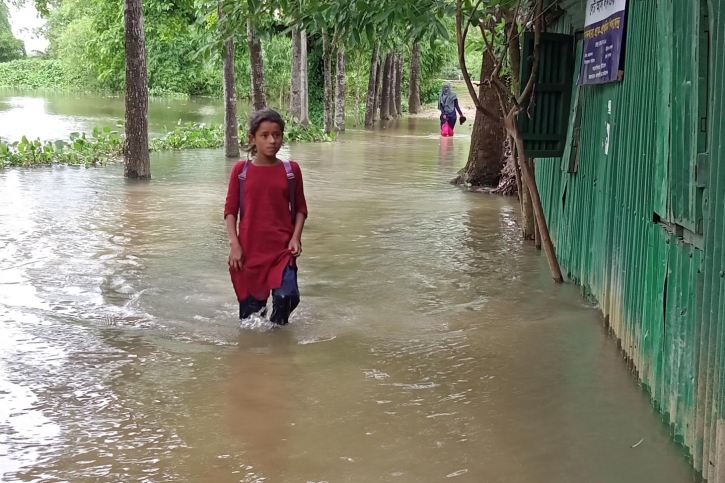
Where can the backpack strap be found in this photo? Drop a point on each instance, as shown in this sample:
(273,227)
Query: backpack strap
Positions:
(290,188)
(242,179)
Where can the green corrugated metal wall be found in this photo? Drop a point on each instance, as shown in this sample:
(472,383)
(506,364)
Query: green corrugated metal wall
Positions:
(640,225)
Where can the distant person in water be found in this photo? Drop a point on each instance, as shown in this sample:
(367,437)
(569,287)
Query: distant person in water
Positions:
(448,105)
(265,213)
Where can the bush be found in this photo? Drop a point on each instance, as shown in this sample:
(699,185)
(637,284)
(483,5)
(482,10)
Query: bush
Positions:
(311,133)
(452,71)
(36,73)
(10,47)
(430,90)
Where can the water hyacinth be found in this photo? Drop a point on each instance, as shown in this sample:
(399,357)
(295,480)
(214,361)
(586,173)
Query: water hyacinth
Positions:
(100,147)
(105,145)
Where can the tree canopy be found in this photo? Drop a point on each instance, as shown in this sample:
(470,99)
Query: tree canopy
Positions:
(11,48)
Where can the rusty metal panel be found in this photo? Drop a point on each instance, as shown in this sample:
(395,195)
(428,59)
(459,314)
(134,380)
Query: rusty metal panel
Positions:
(640,224)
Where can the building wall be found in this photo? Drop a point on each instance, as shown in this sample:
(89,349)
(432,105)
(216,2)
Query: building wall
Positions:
(638,220)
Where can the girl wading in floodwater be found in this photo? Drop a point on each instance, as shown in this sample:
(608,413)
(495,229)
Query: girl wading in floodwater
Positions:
(448,105)
(265,239)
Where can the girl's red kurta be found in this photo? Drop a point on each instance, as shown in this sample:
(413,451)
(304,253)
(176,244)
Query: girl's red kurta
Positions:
(266,228)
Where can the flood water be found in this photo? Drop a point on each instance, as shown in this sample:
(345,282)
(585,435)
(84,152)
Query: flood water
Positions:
(430,346)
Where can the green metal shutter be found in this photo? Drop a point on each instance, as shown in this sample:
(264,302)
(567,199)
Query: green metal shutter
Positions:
(544,120)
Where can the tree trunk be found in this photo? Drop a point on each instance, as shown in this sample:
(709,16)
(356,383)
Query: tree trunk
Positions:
(357,99)
(517,171)
(256,60)
(304,89)
(385,94)
(514,48)
(414,81)
(515,62)
(327,75)
(486,156)
(372,88)
(509,183)
(231,125)
(398,85)
(295,97)
(340,91)
(530,182)
(527,214)
(530,211)
(391,93)
(378,82)
(393,83)
(136,144)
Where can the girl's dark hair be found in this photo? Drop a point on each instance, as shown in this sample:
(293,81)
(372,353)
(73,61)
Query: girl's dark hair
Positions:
(256,120)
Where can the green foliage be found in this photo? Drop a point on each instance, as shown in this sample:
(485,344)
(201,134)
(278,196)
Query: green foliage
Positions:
(190,136)
(184,38)
(311,133)
(316,83)
(102,146)
(475,46)
(11,48)
(193,135)
(277,65)
(88,34)
(33,73)
(106,145)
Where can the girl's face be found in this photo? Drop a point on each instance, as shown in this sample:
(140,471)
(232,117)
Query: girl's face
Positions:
(267,139)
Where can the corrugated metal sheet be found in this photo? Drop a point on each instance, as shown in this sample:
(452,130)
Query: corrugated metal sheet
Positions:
(574,11)
(544,125)
(629,225)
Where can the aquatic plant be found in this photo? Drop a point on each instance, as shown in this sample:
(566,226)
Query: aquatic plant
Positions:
(105,145)
(190,136)
(100,147)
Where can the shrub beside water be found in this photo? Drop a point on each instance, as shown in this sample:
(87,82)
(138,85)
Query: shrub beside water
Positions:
(35,73)
(106,145)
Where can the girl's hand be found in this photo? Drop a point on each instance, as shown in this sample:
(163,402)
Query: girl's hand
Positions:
(295,247)
(236,257)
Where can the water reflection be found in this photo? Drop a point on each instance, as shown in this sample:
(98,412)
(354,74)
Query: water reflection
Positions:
(447,156)
(261,398)
(51,116)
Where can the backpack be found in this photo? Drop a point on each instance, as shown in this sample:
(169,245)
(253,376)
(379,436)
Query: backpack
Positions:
(290,187)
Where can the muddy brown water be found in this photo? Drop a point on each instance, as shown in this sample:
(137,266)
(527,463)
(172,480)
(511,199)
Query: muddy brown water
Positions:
(430,346)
